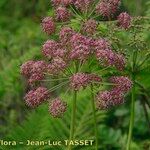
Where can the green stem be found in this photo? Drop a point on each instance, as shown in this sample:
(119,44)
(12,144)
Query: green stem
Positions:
(76,12)
(133,73)
(132,114)
(94,118)
(73,116)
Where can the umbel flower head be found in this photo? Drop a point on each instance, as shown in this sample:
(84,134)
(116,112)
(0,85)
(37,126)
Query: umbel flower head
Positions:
(107,99)
(65,35)
(35,97)
(79,80)
(57,108)
(114,5)
(49,47)
(62,14)
(34,70)
(56,66)
(80,47)
(75,54)
(107,8)
(102,44)
(122,84)
(83,5)
(109,58)
(124,20)
(52,49)
(90,26)
(25,69)
(115,96)
(48,25)
(103,8)
(82,80)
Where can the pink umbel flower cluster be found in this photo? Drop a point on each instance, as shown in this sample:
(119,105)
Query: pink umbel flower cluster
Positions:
(124,20)
(114,5)
(90,27)
(75,53)
(48,25)
(115,96)
(106,56)
(110,58)
(65,35)
(57,108)
(83,5)
(56,66)
(82,80)
(25,69)
(122,84)
(102,44)
(107,8)
(52,49)
(79,80)
(80,47)
(34,70)
(62,14)
(107,99)
(35,97)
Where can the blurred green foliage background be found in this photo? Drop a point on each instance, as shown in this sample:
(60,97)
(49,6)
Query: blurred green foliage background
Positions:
(21,40)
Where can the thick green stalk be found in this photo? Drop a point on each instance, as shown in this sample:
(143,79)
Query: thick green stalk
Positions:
(94,118)
(73,116)
(132,114)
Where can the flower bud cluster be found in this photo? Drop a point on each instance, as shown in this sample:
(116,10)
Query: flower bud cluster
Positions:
(34,70)
(83,5)
(35,97)
(57,108)
(115,96)
(62,14)
(107,8)
(107,99)
(52,49)
(56,66)
(80,47)
(90,27)
(65,35)
(122,83)
(79,80)
(25,68)
(102,44)
(48,25)
(124,20)
(110,58)
(82,80)
(114,5)
(72,47)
